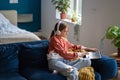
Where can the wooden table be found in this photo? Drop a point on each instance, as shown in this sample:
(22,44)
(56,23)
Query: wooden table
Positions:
(114,55)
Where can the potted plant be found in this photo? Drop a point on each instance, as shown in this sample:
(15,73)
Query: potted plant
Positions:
(74,17)
(62,6)
(113,33)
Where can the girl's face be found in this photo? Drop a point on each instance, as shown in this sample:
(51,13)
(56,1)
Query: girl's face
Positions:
(64,32)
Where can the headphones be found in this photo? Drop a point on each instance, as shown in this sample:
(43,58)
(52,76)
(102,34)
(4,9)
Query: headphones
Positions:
(58,31)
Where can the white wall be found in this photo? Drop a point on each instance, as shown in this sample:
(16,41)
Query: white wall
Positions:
(48,18)
(97,16)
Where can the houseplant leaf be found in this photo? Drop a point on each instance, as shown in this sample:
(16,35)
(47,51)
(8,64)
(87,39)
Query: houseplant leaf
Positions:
(112,32)
(116,42)
(61,5)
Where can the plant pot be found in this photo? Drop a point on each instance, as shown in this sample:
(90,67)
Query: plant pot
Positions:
(118,51)
(73,20)
(63,15)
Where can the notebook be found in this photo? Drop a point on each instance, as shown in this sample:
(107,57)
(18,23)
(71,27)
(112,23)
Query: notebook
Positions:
(97,55)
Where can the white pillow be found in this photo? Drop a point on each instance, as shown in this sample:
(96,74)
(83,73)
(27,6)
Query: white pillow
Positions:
(6,27)
(3,20)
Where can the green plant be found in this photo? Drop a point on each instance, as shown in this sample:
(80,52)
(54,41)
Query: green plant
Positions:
(113,33)
(74,16)
(61,5)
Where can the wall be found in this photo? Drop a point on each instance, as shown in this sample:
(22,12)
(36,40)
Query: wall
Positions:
(96,17)
(23,7)
(47,17)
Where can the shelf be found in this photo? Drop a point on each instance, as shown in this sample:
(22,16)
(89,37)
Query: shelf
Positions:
(23,18)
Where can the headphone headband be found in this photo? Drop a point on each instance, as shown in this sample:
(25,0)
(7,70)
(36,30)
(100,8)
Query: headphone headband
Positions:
(58,25)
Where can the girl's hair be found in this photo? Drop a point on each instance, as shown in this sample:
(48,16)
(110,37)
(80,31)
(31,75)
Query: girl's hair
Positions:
(62,26)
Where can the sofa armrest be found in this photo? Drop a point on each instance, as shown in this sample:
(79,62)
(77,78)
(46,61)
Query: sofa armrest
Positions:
(106,66)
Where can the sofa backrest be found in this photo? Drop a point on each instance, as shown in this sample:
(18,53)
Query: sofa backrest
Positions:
(23,54)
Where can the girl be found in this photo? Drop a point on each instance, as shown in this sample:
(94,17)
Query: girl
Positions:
(64,56)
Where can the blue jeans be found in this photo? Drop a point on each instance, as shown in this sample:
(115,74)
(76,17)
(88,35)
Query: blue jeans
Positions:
(61,65)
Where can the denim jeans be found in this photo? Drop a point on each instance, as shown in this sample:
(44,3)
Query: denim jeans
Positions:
(61,65)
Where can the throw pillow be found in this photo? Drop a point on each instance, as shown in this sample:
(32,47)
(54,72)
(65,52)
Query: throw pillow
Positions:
(8,58)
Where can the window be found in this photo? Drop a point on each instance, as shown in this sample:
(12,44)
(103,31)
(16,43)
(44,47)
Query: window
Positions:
(76,5)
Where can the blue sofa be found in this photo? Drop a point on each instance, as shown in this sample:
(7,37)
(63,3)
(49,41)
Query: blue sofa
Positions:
(27,61)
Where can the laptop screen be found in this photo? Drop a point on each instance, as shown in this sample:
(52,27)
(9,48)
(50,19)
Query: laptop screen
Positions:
(94,55)
(97,55)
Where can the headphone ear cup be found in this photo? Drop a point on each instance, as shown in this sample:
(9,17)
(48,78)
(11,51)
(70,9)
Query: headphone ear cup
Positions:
(58,32)
(58,25)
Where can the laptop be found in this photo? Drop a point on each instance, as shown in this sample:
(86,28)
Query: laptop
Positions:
(94,55)
(97,55)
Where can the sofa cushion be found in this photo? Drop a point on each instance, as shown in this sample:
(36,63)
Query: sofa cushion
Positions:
(8,58)
(11,76)
(33,54)
(97,76)
(106,66)
(37,74)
